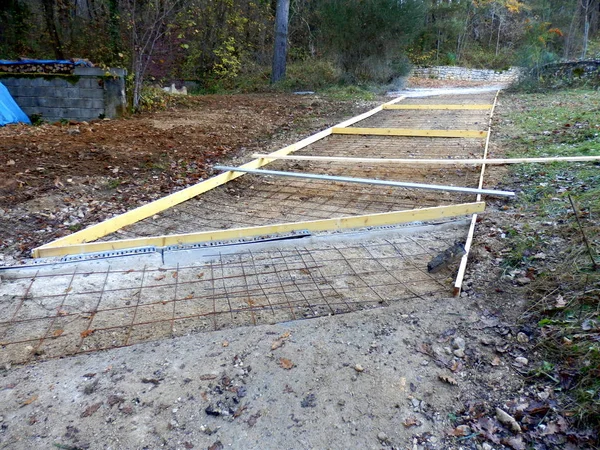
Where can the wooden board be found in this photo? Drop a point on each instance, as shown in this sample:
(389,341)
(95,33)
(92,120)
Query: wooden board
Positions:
(102,229)
(439,107)
(339,223)
(408,161)
(411,132)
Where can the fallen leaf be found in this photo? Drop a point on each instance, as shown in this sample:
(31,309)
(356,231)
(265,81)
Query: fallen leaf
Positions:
(11,162)
(461,430)
(280,340)
(412,422)
(216,446)
(57,333)
(91,409)
(514,442)
(174,275)
(560,302)
(200,275)
(286,363)
(448,379)
(159,277)
(86,333)
(495,361)
(225,344)
(69,289)
(30,400)
(189,297)
(278,343)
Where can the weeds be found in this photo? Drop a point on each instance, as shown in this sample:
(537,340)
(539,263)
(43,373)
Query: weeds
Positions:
(562,201)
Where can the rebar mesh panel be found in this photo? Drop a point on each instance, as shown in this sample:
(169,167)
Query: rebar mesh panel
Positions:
(47,314)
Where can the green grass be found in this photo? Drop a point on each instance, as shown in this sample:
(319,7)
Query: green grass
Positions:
(560,123)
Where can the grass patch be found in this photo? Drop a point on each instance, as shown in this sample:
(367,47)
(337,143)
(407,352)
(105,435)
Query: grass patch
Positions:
(565,295)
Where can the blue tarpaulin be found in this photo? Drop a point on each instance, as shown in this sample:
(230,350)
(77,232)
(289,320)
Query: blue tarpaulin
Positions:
(9,110)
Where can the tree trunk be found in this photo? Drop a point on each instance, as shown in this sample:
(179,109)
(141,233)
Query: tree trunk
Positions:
(281,34)
(49,16)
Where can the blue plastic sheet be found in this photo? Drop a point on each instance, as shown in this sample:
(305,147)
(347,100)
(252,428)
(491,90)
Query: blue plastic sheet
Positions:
(9,110)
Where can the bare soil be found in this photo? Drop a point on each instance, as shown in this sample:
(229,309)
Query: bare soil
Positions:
(59,178)
(421,373)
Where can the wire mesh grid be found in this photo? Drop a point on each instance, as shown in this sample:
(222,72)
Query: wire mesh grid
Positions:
(52,314)
(428,119)
(480,98)
(256,200)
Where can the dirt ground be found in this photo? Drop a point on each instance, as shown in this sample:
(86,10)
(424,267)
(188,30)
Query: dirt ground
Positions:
(421,373)
(59,178)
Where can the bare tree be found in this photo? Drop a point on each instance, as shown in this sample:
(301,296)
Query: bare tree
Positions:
(149,22)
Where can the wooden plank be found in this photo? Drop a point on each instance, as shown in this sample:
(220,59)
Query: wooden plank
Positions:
(439,107)
(471,233)
(148,210)
(339,223)
(411,132)
(474,161)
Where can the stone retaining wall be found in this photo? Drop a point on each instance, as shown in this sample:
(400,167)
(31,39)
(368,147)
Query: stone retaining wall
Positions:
(571,70)
(464,74)
(89,93)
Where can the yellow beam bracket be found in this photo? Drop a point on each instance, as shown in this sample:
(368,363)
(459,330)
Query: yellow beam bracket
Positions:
(412,132)
(339,223)
(440,107)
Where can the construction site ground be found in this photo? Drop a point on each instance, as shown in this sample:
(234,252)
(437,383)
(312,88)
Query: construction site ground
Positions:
(213,353)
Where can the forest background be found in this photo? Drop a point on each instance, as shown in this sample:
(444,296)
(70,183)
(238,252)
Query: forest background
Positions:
(228,44)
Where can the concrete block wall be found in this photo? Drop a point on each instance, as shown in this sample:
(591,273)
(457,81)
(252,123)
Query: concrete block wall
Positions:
(89,93)
(464,74)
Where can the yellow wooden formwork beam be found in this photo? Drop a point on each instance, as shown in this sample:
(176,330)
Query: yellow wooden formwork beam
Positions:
(411,132)
(339,223)
(113,224)
(440,107)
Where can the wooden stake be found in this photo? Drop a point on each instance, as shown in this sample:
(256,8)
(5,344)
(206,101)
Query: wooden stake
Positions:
(464,260)
(339,223)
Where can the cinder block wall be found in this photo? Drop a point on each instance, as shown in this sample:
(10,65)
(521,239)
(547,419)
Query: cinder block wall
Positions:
(89,93)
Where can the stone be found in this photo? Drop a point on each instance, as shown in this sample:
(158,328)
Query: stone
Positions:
(521,361)
(459,353)
(458,343)
(382,436)
(359,368)
(508,420)
(522,338)
(522,281)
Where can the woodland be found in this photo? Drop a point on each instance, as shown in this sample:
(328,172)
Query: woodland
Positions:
(228,44)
